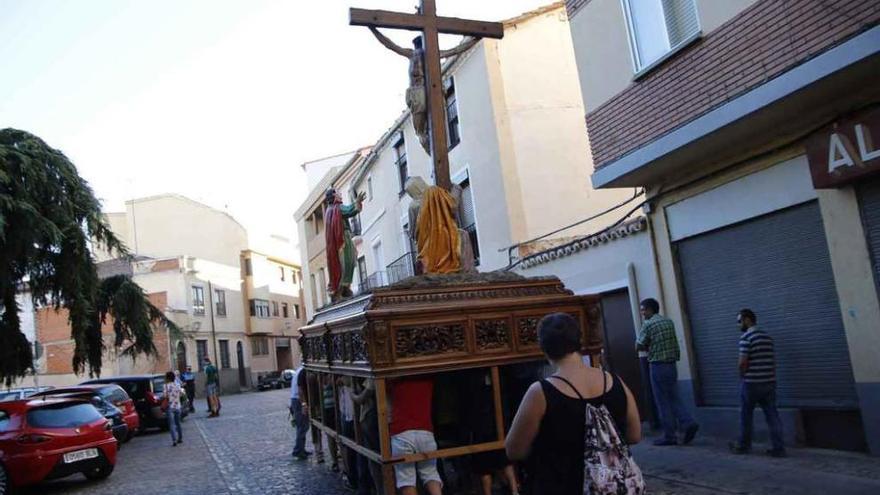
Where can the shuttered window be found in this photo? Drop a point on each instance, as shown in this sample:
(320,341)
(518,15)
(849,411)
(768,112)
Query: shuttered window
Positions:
(658,28)
(869,202)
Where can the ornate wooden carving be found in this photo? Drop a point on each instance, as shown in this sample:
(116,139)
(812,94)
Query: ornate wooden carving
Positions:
(492,334)
(337,347)
(380,300)
(527,328)
(381,342)
(358,347)
(429,340)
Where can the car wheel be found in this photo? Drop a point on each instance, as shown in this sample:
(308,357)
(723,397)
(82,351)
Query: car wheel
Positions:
(99,473)
(4,481)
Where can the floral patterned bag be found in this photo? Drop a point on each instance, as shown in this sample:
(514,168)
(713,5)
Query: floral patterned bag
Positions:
(609,468)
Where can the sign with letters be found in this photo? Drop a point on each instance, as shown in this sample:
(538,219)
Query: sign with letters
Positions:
(846,150)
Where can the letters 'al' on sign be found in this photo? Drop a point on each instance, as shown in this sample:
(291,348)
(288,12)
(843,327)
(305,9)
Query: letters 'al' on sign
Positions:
(845,151)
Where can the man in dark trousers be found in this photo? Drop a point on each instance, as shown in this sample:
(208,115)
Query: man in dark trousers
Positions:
(757,369)
(189,384)
(657,337)
(299,410)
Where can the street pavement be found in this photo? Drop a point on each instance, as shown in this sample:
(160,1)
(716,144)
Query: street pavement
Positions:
(247,451)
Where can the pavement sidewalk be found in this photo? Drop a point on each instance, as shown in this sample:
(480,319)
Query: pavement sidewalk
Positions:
(707,467)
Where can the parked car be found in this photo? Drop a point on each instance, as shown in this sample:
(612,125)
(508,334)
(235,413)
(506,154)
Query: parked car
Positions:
(93,395)
(42,439)
(20,393)
(146,392)
(287,375)
(270,380)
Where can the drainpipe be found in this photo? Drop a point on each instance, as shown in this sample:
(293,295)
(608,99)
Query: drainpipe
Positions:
(213,330)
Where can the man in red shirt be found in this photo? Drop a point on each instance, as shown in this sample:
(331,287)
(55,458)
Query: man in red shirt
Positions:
(412,432)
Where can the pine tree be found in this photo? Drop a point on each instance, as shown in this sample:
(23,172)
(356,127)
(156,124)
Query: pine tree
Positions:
(49,222)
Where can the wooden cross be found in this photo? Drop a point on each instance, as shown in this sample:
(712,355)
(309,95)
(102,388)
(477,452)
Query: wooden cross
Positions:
(431,25)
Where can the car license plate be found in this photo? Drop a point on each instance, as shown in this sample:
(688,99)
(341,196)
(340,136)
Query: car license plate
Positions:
(80,455)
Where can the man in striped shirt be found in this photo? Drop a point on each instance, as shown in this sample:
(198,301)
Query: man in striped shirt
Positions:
(757,368)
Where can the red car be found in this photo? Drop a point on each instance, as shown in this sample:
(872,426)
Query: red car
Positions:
(53,438)
(112,393)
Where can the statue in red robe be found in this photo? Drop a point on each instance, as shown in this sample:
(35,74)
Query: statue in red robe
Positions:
(341,253)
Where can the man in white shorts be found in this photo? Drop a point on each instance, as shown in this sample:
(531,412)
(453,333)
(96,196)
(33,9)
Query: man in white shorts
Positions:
(412,432)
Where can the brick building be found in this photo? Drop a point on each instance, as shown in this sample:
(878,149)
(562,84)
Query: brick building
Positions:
(56,364)
(751,124)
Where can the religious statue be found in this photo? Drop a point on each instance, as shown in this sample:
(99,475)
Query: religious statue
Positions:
(441,217)
(340,249)
(416,94)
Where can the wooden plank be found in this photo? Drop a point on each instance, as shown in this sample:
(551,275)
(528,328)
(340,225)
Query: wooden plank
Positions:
(416,22)
(436,100)
(450,452)
(360,449)
(385,19)
(389,484)
(496,394)
(382,410)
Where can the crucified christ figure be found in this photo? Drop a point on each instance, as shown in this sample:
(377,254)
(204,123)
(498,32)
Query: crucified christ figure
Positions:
(416,94)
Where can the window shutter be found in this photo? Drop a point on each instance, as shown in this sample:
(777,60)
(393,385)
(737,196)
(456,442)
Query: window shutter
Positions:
(253,308)
(681,20)
(468,217)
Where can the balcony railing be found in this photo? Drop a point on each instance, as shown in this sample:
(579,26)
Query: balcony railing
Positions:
(376,280)
(402,268)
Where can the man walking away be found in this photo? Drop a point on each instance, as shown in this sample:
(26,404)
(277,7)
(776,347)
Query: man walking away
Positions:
(657,336)
(298,408)
(212,389)
(757,369)
(189,384)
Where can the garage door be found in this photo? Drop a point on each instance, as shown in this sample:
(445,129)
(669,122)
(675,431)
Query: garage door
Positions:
(869,199)
(778,265)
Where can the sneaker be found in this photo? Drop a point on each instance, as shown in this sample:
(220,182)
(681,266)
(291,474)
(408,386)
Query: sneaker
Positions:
(320,460)
(690,433)
(739,449)
(777,453)
(664,442)
(174,444)
(335,468)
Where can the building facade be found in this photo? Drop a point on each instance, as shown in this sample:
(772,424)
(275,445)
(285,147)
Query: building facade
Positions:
(751,124)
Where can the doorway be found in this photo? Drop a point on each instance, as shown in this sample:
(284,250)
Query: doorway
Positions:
(181,357)
(242,377)
(620,348)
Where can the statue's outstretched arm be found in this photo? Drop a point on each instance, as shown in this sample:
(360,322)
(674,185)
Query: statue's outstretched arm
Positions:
(406,52)
(461,48)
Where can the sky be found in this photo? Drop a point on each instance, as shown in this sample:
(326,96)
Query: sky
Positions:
(218,100)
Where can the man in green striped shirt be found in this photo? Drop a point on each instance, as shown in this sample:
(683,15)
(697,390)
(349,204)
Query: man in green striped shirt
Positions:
(657,337)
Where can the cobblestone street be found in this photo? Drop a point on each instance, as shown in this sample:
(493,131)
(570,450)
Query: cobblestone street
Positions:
(244,451)
(247,451)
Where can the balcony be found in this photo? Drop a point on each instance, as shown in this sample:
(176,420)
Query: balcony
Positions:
(401,268)
(356,228)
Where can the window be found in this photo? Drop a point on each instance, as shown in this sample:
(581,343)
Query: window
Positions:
(198,293)
(469,218)
(296,311)
(362,269)
(4,421)
(259,308)
(274,308)
(314,290)
(248,268)
(63,415)
(282,273)
(451,113)
(220,302)
(659,27)
(400,160)
(284,311)
(202,353)
(260,346)
(224,354)
(369,188)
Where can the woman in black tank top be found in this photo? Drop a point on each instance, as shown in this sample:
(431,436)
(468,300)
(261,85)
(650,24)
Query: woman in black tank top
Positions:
(549,428)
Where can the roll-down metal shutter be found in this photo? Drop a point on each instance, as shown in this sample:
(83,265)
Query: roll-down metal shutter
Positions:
(869,201)
(778,265)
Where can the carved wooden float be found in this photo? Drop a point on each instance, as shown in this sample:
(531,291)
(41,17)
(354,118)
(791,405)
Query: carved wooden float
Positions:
(432,324)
